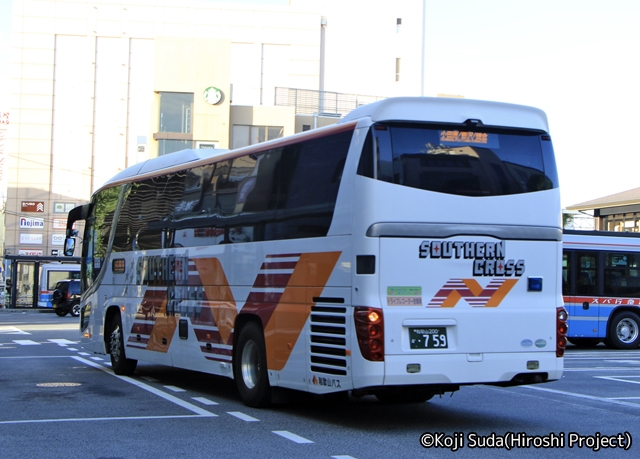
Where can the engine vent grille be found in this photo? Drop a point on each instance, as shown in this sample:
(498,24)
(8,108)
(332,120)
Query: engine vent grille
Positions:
(328,340)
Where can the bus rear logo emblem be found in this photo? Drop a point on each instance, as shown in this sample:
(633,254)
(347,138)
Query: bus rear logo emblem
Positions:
(479,297)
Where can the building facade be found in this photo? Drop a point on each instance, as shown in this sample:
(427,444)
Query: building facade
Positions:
(98,86)
(616,212)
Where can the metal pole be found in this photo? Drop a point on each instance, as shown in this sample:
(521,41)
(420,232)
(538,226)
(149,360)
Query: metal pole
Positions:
(323,27)
(424,47)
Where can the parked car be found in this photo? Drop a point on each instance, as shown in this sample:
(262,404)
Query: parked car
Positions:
(66,297)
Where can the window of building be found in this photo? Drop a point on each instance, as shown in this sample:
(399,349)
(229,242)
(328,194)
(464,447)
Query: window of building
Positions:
(629,222)
(175,123)
(170,146)
(176,112)
(243,135)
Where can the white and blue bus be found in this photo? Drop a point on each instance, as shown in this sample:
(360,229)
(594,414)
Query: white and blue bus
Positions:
(50,274)
(410,249)
(601,288)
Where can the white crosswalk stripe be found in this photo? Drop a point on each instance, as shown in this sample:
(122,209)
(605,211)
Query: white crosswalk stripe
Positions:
(9,330)
(62,341)
(25,342)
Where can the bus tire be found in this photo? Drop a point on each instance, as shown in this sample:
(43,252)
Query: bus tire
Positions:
(120,364)
(623,331)
(584,342)
(250,367)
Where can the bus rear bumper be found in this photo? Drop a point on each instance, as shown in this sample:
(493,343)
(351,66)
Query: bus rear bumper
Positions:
(505,369)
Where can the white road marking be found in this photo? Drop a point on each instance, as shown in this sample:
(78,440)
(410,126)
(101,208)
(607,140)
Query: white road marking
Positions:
(84,353)
(12,331)
(62,342)
(602,369)
(124,418)
(204,401)
(49,327)
(587,397)
(343,457)
(72,349)
(99,359)
(244,417)
(174,389)
(291,436)
(153,390)
(619,378)
(25,342)
(149,378)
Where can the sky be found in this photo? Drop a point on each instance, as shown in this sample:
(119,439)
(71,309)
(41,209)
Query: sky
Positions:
(578,60)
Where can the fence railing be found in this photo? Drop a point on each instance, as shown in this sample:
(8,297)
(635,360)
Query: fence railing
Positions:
(323,103)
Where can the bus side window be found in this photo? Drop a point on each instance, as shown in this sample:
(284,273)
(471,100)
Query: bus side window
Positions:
(587,279)
(566,273)
(620,271)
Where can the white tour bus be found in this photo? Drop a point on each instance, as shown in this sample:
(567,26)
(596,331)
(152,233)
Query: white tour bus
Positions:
(601,288)
(412,248)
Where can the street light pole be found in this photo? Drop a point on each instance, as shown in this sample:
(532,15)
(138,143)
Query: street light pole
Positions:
(424,47)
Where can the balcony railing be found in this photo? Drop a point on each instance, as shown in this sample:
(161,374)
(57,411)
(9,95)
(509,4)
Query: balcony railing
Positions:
(322,103)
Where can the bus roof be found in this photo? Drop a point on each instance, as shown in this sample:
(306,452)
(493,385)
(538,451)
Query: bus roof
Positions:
(192,158)
(448,110)
(425,109)
(166,161)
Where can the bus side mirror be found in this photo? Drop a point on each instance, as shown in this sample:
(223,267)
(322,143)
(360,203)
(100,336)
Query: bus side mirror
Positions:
(69,246)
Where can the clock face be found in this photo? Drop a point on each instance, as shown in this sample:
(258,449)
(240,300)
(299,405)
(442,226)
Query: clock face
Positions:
(212,95)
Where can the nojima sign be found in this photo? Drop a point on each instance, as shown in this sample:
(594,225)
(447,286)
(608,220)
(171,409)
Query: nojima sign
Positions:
(27,223)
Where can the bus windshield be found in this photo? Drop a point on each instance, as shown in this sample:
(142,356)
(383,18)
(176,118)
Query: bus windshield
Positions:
(464,160)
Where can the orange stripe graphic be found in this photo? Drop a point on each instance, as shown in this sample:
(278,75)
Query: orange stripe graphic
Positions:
(219,294)
(163,328)
(502,291)
(285,324)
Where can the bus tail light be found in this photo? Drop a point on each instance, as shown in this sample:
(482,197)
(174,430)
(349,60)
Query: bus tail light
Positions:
(370,332)
(561,331)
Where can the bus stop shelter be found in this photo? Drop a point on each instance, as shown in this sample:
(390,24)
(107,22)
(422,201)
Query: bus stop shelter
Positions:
(25,278)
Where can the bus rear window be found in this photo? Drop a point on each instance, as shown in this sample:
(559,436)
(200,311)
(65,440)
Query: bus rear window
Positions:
(462,160)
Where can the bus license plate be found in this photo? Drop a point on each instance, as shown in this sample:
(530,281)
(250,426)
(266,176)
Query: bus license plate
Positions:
(428,338)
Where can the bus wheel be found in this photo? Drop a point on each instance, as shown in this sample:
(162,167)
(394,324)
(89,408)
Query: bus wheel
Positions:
(250,367)
(120,364)
(624,331)
(584,342)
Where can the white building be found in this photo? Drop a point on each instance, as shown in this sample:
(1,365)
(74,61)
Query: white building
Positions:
(97,86)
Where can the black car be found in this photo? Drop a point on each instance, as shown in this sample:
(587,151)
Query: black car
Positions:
(66,297)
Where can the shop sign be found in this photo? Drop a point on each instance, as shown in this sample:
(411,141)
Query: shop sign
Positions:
(31,223)
(31,252)
(32,206)
(57,239)
(30,238)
